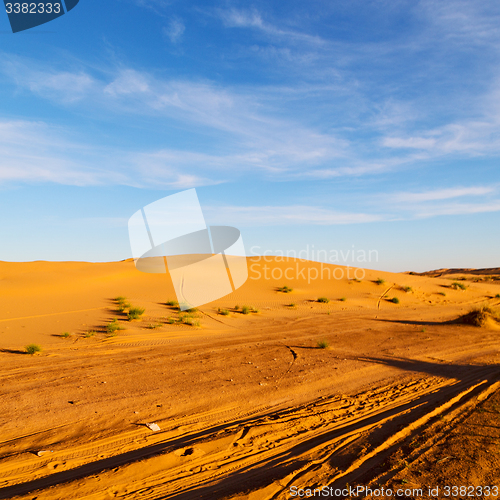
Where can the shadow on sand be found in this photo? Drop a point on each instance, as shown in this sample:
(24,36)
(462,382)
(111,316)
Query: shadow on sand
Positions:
(275,467)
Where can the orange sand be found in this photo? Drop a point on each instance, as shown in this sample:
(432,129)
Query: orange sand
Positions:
(248,405)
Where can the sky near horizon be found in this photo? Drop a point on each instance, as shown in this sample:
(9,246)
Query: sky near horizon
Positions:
(334,126)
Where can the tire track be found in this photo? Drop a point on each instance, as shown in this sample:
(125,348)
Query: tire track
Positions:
(291,445)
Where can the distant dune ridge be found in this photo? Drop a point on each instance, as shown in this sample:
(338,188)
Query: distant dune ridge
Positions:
(306,377)
(490,271)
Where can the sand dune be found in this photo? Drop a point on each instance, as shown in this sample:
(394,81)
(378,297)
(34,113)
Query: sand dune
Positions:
(248,405)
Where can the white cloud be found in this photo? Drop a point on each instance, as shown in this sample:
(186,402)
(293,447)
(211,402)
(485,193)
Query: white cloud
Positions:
(240,18)
(459,209)
(127,82)
(280,215)
(441,194)
(257,137)
(37,152)
(174,30)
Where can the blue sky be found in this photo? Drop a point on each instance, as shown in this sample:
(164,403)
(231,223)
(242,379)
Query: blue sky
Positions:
(326,124)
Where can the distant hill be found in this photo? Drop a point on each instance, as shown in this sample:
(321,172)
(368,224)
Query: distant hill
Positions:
(494,272)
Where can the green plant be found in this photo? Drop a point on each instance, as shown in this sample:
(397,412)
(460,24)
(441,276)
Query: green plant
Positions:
(32,349)
(285,289)
(172,303)
(324,300)
(171,320)
(424,330)
(343,299)
(152,326)
(122,303)
(122,306)
(291,305)
(442,293)
(66,335)
(135,313)
(394,300)
(255,310)
(246,310)
(323,344)
(497,296)
(90,333)
(456,286)
(407,289)
(479,315)
(224,312)
(189,320)
(236,307)
(379,281)
(113,326)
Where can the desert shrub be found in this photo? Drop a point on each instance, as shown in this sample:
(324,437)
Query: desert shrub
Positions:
(135,313)
(236,307)
(66,335)
(122,303)
(189,320)
(172,303)
(442,293)
(90,333)
(113,326)
(152,326)
(32,349)
(394,300)
(224,312)
(123,306)
(324,300)
(171,320)
(291,305)
(246,309)
(497,296)
(458,286)
(379,281)
(323,344)
(407,289)
(479,315)
(343,299)
(255,310)
(285,289)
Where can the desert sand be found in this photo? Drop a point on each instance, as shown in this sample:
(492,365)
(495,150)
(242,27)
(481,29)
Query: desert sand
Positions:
(248,405)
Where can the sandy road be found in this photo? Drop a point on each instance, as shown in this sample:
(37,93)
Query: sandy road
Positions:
(332,441)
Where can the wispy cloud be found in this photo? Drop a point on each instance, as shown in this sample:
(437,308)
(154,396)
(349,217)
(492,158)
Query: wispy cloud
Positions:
(36,152)
(174,30)
(259,138)
(283,215)
(244,18)
(441,194)
(341,107)
(458,209)
(436,202)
